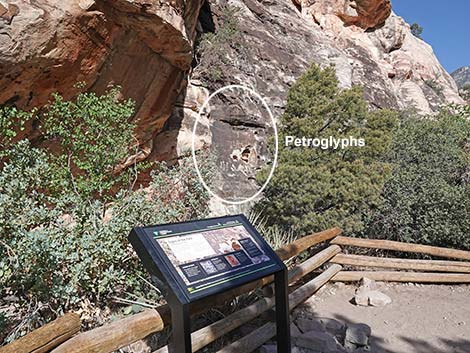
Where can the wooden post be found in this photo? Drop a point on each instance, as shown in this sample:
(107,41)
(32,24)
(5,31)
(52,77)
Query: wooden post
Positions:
(118,334)
(404,247)
(402,264)
(47,337)
(115,335)
(210,333)
(285,253)
(415,277)
(261,335)
(304,243)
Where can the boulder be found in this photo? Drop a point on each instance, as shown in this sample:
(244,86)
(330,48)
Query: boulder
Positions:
(357,335)
(361,297)
(268,348)
(306,325)
(368,294)
(317,341)
(377,298)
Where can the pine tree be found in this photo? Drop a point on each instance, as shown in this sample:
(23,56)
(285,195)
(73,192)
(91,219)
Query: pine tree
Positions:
(313,188)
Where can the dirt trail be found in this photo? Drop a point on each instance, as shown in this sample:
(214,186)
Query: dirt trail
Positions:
(421,318)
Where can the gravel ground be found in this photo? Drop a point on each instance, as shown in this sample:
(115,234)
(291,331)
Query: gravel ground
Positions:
(421,318)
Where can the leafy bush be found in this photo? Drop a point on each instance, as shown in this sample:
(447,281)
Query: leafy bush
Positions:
(417,30)
(95,135)
(65,249)
(11,122)
(427,198)
(313,189)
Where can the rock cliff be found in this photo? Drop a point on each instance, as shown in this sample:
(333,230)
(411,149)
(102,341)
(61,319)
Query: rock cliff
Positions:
(143,46)
(146,47)
(462,76)
(368,44)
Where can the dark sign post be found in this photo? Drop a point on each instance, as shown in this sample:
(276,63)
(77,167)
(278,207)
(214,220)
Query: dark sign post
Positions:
(198,259)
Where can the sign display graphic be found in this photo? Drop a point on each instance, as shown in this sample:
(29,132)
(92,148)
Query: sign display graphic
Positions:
(208,257)
(199,259)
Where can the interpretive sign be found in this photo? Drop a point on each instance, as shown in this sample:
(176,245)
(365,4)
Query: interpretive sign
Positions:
(202,258)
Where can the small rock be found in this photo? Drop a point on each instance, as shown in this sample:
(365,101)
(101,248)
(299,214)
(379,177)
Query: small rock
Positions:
(301,350)
(294,330)
(357,335)
(368,283)
(362,297)
(317,341)
(363,350)
(86,4)
(367,294)
(306,325)
(268,348)
(333,326)
(377,298)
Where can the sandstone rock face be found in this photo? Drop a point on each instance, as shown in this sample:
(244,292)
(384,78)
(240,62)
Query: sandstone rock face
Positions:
(280,40)
(144,46)
(369,13)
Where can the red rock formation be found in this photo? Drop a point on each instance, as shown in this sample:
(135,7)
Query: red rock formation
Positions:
(370,13)
(144,46)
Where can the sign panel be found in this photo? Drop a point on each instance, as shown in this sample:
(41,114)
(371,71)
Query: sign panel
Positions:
(206,257)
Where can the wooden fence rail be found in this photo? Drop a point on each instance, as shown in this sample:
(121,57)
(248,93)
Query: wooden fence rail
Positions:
(46,337)
(415,277)
(259,336)
(402,264)
(58,336)
(209,334)
(403,247)
(116,335)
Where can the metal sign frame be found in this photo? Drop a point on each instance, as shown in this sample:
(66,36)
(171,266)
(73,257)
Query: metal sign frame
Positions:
(147,242)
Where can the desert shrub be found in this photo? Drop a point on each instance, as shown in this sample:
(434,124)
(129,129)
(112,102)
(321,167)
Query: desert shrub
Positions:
(427,198)
(68,249)
(435,86)
(416,30)
(212,47)
(465,92)
(94,134)
(12,122)
(313,189)
(276,236)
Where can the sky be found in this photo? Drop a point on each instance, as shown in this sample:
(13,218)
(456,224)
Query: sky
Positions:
(446,27)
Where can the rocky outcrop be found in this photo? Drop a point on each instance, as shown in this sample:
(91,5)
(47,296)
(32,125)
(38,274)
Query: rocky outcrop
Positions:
(279,40)
(404,64)
(462,76)
(144,46)
(369,13)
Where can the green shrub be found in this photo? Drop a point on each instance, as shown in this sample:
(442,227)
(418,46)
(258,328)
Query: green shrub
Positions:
(313,189)
(435,86)
(427,199)
(212,47)
(94,134)
(12,121)
(465,92)
(68,249)
(417,30)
